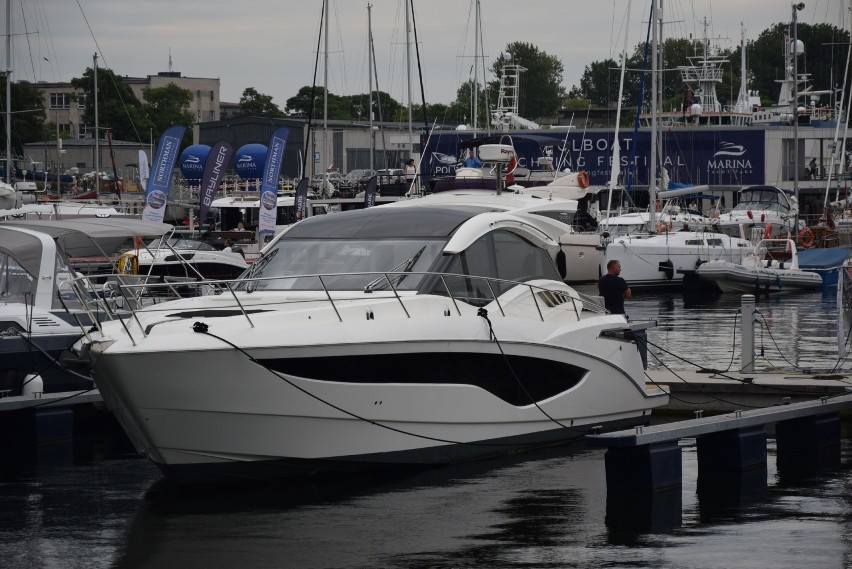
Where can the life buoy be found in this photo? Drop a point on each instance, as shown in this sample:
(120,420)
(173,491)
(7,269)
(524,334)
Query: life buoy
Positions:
(767,231)
(583,179)
(128,264)
(806,238)
(661,227)
(510,170)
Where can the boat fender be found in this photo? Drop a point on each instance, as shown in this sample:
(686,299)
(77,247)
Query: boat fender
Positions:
(767,231)
(668,268)
(562,264)
(128,264)
(806,238)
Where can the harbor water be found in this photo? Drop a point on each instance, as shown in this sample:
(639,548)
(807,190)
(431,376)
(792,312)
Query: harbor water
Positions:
(95,504)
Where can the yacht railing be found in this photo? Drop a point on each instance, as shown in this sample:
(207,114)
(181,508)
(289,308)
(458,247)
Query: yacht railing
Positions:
(493,290)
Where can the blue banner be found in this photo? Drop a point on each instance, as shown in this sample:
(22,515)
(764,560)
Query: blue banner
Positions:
(301,201)
(730,156)
(370,192)
(269,187)
(157,192)
(214,169)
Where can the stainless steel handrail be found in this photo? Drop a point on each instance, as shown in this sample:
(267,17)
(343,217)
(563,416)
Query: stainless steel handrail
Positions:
(578,301)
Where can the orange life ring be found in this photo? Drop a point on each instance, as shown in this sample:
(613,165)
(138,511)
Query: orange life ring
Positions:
(806,238)
(661,227)
(583,179)
(767,231)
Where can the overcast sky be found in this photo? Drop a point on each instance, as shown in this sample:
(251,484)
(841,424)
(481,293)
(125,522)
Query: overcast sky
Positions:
(271,45)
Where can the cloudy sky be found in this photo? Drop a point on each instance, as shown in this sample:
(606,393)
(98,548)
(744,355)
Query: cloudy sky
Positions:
(271,45)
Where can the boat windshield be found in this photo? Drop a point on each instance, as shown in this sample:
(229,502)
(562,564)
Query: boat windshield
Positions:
(762,200)
(178,243)
(338,259)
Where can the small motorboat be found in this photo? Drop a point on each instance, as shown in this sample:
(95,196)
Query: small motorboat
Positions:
(183,257)
(773,266)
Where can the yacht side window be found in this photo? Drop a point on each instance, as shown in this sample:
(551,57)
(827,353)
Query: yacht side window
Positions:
(16,284)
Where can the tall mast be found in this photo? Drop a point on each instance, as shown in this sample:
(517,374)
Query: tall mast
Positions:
(652,170)
(325,154)
(97,131)
(408,73)
(796,8)
(370,75)
(476,31)
(8,91)
(616,149)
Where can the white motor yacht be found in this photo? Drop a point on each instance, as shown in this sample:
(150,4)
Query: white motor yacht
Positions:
(384,337)
(40,314)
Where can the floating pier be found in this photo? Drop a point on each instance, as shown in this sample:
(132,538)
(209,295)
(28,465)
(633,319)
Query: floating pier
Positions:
(734,441)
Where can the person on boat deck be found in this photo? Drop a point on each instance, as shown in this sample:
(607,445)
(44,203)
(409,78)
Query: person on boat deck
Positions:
(227,248)
(472,160)
(240,227)
(613,288)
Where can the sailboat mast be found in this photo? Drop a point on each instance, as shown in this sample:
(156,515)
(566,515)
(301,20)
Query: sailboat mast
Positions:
(97,131)
(652,167)
(8,91)
(325,155)
(408,73)
(370,75)
(616,145)
(476,31)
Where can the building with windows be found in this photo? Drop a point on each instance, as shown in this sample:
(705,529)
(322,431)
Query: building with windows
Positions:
(65,105)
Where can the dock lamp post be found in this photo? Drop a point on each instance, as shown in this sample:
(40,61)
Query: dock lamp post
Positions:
(797,7)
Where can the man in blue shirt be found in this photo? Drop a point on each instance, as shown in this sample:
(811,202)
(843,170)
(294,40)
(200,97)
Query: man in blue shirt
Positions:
(472,160)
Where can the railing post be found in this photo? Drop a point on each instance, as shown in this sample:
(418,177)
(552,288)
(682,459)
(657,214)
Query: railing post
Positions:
(747,314)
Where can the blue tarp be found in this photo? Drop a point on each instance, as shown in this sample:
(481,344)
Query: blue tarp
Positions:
(822,259)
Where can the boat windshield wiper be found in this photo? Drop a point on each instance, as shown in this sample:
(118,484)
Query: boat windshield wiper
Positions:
(404,267)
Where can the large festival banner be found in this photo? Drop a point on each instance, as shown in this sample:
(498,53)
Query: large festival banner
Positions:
(214,169)
(301,201)
(269,186)
(157,192)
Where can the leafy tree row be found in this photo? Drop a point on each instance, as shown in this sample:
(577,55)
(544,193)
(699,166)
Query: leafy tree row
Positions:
(541,93)
(825,52)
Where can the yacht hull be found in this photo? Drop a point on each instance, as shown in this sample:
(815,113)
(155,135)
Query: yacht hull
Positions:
(211,412)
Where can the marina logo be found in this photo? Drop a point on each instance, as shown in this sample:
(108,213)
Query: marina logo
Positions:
(245,161)
(730,149)
(192,159)
(729,158)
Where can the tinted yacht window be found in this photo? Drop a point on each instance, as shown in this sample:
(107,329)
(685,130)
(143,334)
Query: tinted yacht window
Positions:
(497,255)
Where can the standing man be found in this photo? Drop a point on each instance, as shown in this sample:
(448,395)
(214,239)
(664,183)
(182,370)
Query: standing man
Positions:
(613,288)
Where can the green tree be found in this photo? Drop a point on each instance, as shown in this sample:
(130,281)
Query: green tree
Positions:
(599,83)
(28,115)
(165,106)
(255,104)
(541,89)
(118,107)
(825,48)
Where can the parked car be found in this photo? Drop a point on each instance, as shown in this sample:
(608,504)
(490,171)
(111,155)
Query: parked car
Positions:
(355,181)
